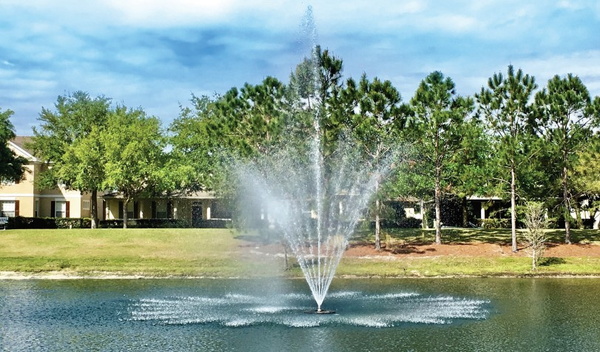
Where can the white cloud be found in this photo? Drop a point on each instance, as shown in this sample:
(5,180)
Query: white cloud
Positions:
(583,64)
(451,23)
(203,13)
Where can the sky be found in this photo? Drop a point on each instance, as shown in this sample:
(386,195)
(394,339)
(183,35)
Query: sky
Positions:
(155,54)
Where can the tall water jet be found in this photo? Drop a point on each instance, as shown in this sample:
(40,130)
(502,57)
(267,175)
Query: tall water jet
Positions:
(315,211)
(312,197)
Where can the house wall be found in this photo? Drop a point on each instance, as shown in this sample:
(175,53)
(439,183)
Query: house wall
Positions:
(28,194)
(25,187)
(23,191)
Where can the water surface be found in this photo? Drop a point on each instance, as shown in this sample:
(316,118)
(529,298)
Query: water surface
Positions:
(268,315)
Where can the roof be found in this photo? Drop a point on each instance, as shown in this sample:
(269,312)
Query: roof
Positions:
(20,141)
(19,144)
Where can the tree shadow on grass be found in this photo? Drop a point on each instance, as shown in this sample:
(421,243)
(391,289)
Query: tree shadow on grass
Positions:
(548,261)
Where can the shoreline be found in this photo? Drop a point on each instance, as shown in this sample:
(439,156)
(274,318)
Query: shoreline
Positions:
(57,275)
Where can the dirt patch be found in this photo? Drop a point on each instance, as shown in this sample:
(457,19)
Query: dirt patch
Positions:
(470,249)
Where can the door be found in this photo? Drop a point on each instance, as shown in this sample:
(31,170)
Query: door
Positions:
(196,214)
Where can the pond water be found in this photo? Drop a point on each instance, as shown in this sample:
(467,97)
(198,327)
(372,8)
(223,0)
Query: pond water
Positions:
(269,315)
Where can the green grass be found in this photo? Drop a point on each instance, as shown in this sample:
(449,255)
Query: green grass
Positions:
(468,266)
(223,253)
(206,252)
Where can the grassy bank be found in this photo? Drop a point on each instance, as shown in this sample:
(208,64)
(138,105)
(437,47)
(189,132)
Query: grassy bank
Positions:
(223,253)
(154,252)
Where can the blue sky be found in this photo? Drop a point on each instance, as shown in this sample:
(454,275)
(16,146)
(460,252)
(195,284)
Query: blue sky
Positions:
(155,54)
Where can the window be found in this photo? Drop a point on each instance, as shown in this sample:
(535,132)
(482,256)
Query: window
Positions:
(132,210)
(220,210)
(131,213)
(37,208)
(164,209)
(7,208)
(60,209)
(86,205)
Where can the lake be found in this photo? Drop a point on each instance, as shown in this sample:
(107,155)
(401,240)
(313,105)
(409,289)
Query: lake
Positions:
(471,314)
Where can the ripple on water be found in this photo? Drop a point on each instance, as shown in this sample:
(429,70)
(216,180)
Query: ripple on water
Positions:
(362,310)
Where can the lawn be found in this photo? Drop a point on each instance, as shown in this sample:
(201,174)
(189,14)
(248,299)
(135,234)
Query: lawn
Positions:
(225,253)
(155,252)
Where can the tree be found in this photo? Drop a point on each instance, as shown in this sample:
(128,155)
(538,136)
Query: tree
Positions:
(251,119)
(585,178)
(134,155)
(567,117)
(375,125)
(535,222)
(11,165)
(506,109)
(439,117)
(67,141)
(195,156)
(468,174)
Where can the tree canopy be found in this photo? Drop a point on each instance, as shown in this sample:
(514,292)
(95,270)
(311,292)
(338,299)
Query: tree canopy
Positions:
(440,118)
(134,156)
(11,165)
(67,140)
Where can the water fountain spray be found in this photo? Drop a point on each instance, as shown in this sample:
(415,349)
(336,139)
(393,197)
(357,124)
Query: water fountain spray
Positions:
(314,202)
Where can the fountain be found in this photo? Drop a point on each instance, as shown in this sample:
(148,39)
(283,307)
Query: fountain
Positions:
(313,201)
(316,215)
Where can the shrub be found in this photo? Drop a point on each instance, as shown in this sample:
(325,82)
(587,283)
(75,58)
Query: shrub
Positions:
(145,223)
(494,223)
(21,222)
(73,223)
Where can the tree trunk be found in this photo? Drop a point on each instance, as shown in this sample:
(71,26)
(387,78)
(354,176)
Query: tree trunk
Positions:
(513,207)
(125,204)
(465,212)
(423,215)
(437,194)
(565,185)
(377,217)
(438,210)
(94,209)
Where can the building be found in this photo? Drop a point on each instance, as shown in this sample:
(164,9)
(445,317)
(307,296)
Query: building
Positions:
(199,209)
(25,198)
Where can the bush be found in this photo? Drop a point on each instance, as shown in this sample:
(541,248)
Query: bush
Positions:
(213,223)
(404,223)
(73,223)
(20,222)
(494,223)
(145,223)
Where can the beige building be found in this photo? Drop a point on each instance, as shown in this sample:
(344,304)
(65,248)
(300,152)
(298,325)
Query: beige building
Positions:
(26,199)
(195,208)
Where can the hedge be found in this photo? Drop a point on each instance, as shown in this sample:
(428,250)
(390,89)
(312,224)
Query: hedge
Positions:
(21,222)
(145,223)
